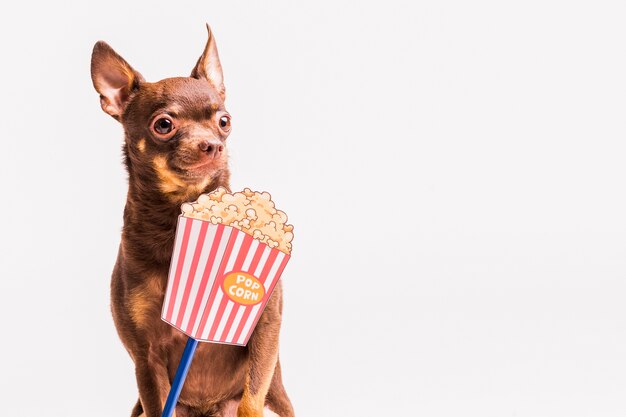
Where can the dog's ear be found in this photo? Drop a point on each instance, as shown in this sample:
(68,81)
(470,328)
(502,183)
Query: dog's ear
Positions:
(208,66)
(113,78)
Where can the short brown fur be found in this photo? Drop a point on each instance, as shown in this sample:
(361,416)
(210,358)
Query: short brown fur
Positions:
(162,175)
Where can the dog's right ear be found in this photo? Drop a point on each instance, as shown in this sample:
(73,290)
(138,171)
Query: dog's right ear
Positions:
(113,78)
(208,66)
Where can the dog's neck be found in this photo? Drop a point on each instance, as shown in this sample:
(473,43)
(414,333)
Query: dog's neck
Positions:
(150,215)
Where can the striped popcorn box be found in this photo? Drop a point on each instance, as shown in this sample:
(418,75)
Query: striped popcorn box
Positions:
(219,282)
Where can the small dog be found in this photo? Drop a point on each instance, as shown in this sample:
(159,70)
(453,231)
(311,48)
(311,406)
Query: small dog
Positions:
(174,150)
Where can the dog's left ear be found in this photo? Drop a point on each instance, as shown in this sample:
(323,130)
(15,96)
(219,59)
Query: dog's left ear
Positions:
(209,67)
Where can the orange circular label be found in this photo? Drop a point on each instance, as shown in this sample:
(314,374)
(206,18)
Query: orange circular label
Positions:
(243,288)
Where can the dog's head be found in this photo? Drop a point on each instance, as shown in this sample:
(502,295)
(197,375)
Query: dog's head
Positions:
(176,128)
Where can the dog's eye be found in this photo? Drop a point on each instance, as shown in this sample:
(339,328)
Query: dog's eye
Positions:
(163,126)
(225,123)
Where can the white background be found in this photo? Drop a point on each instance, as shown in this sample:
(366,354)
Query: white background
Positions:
(455,172)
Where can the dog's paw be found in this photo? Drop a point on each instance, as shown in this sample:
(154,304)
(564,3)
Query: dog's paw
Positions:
(232,409)
(266,412)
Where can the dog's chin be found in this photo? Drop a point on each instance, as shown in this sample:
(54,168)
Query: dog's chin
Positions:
(184,182)
(202,170)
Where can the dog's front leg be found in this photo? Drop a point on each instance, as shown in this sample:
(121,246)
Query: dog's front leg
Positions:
(153,383)
(263,355)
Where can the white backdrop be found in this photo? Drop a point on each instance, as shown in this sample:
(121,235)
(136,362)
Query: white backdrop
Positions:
(455,172)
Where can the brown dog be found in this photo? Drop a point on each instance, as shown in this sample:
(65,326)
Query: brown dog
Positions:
(175,149)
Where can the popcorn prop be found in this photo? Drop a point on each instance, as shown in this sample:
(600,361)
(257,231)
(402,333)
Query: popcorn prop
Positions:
(229,253)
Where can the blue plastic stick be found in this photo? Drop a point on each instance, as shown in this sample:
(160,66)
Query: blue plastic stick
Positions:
(179,379)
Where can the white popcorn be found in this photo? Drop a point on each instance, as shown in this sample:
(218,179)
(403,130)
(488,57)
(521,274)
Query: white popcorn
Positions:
(251,214)
(187,209)
(204,200)
(250,211)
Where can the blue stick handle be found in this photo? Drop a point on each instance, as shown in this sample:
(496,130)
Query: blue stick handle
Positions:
(179,379)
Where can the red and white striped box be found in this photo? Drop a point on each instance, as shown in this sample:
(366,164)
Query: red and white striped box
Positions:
(219,282)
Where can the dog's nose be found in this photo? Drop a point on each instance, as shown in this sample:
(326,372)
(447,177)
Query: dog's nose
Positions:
(211,148)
